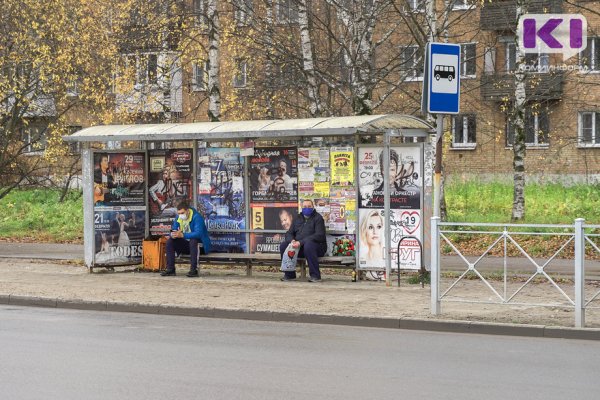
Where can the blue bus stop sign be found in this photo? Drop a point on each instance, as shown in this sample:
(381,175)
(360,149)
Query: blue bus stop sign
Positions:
(441,83)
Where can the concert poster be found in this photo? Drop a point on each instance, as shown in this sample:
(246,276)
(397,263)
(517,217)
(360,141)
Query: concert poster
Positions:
(169,179)
(274,174)
(405,177)
(119,179)
(405,230)
(221,197)
(119,232)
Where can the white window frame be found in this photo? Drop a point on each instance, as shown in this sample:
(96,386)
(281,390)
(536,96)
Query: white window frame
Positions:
(465,144)
(416,64)
(241,71)
(199,9)
(592,68)
(595,137)
(536,130)
(242,11)
(26,136)
(287,17)
(463,61)
(142,72)
(417,6)
(200,70)
(464,5)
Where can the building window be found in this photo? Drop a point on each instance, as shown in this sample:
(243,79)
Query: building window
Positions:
(462,4)
(537,127)
(200,76)
(464,127)
(240,79)
(411,59)
(74,147)
(145,67)
(590,57)
(199,11)
(589,129)
(511,57)
(468,58)
(242,11)
(416,5)
(287,11)
(34,138)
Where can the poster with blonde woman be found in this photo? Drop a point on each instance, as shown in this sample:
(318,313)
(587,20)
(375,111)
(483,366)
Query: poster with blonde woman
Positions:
(372,239)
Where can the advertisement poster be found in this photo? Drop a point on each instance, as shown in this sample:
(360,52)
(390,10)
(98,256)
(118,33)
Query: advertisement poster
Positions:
(119,179)
(221,196)
(406,181)
(119,232)
(169,179)
(266,242)
(337,216)
(313,172)
(274,174)
(342,166)
(273,218)
(371,231)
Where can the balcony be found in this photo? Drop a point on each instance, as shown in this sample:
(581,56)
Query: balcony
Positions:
(539,86)
(502,15)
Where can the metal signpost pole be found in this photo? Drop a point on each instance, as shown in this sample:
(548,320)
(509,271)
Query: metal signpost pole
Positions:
(437,181)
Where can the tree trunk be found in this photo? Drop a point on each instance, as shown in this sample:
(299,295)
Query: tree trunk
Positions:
(269,76)
(214,87)
(518,120)
(308,60)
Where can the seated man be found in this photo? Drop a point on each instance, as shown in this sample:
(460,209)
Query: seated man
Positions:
(307,235)
(187,231)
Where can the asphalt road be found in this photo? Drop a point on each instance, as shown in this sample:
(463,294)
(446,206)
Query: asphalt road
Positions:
(64,354)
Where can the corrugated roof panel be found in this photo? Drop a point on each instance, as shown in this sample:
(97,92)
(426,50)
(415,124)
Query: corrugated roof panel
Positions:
(258,128)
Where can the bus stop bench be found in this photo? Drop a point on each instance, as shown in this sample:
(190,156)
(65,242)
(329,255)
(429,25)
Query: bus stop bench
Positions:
(344,262)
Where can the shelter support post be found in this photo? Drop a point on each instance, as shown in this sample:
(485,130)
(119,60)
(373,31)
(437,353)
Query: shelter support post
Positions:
(386,200)
(87,172)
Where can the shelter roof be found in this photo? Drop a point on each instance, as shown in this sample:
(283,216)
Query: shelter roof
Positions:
(405,125)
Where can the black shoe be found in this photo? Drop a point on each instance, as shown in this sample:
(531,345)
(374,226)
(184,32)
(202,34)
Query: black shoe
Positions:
(168,272)
(192,274)
(311,279)
(285,279)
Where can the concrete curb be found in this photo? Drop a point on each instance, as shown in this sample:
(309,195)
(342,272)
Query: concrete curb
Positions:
(434,325)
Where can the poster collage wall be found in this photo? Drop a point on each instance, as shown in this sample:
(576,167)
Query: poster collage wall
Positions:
(406,185)
(119,207)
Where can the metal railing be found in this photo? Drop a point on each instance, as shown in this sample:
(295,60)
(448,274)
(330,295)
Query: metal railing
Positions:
(575,237)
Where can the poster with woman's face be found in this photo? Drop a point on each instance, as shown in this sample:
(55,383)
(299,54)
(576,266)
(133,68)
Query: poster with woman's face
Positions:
(405,228)
(119,232)
(405,177)
(371,232)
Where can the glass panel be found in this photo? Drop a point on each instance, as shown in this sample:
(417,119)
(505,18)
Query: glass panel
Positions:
(597,133)
(543,127)
(472,128)
(457,123)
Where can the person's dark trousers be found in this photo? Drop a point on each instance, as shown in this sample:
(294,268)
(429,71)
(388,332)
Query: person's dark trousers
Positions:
(311,251)
(182,246)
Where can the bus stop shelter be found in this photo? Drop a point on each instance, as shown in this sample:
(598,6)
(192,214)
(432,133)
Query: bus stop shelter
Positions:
(370,176)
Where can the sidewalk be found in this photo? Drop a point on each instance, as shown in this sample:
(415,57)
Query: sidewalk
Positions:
(228,293)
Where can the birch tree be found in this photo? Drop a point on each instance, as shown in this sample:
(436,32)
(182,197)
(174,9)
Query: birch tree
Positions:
(214,87)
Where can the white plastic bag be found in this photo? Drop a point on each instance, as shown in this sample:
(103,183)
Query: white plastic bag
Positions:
(289,259)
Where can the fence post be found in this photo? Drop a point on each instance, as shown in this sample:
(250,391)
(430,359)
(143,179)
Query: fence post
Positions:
(435,266)
(579,273)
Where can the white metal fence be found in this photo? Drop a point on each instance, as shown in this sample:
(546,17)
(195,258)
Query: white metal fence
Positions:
(577,238)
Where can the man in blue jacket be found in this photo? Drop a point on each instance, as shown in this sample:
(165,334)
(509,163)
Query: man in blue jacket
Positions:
(187,231)
(306,235)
